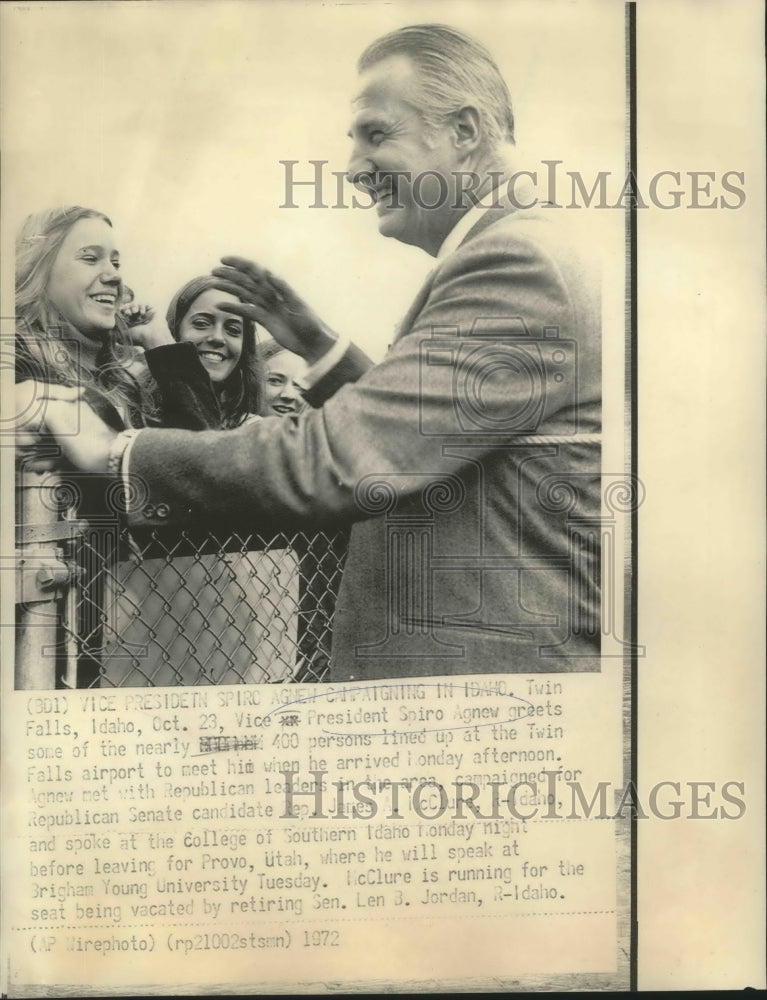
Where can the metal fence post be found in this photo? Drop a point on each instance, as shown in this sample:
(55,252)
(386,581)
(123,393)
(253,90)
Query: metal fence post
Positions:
(42,578)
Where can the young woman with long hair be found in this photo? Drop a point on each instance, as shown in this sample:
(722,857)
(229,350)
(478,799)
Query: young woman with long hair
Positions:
(73,327)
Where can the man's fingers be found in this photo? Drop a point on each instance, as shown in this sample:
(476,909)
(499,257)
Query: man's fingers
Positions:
(257,280)
(253,312)
(237,277)
(255,292)
(227,285)
(261,287)
(241,264)
(237,281)
(244,309)
(282,288)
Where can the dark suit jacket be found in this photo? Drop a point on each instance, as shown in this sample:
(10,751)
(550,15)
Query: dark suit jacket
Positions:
(467,460)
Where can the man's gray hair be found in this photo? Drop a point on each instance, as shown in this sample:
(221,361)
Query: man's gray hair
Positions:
(455,71)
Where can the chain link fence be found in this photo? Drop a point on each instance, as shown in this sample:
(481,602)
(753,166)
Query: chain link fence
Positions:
(99,606)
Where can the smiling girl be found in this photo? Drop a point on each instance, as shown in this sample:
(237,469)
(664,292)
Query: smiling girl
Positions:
(70,328)
(281,375)
(225,344)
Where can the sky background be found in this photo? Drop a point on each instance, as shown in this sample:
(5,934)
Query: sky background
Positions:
(172,117)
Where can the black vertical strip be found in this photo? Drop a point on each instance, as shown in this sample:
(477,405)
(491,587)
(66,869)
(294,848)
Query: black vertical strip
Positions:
(632,385)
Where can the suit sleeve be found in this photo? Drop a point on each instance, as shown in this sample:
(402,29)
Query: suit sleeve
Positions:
(350,367)
(309,469)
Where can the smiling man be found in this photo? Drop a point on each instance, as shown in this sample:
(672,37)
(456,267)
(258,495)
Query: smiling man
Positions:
(431,120)
(468,460)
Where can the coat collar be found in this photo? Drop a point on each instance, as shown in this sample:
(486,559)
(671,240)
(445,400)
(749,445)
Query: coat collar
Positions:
(495,205)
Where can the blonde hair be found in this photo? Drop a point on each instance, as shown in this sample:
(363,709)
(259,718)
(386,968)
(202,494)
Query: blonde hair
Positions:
(43,350)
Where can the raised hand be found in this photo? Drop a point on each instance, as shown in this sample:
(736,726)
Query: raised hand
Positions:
(273,303)
(145,329)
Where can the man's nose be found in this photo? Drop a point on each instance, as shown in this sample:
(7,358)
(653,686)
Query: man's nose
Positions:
(360,170)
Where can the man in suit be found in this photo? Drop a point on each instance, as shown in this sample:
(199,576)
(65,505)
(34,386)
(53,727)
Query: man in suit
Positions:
(468,460)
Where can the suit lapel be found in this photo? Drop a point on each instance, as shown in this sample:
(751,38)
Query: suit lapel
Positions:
(485,219)
(416,307)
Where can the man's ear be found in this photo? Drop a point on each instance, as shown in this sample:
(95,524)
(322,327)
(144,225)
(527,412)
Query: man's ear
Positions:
(467,128)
